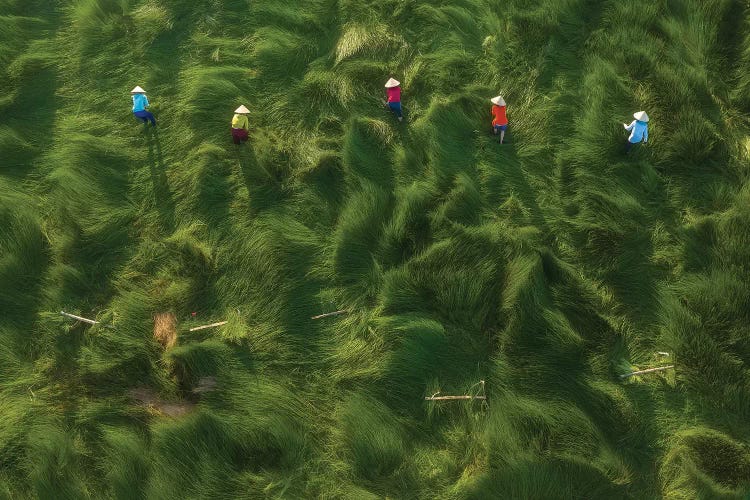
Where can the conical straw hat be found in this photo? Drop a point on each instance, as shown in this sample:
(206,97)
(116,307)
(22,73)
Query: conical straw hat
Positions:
(137,90)
(498,100)
(242,110)
(641,116)
(392,82)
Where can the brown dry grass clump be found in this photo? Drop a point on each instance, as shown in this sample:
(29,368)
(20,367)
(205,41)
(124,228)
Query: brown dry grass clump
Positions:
(165,329)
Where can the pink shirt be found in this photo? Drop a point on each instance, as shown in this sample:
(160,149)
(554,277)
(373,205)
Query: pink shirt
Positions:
(394,94)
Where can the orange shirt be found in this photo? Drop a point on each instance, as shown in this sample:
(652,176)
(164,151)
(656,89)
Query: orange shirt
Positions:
(499,113)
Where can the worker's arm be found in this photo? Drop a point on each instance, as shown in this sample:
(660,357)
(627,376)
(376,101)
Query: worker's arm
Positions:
(645,135)
(629,127)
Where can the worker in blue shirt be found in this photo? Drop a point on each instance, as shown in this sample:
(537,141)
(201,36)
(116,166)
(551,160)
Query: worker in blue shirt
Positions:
(638,130)
(140,103)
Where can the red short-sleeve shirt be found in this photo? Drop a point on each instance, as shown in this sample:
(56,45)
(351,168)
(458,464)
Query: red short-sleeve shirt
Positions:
(394,94)
(499,113)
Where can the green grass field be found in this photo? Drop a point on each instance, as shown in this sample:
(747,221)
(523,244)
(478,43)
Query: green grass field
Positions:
(547,267)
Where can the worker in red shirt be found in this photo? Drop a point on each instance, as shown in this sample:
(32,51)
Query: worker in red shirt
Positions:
(393,90)
(500,120)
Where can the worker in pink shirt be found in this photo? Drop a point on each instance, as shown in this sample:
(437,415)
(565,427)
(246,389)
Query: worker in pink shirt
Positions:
(393,90)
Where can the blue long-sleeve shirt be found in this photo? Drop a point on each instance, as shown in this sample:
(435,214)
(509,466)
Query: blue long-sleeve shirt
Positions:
(639,131)
(140,102)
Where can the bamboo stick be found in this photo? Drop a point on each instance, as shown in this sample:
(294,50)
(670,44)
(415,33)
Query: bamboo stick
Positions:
(208,326)
(435,396)
(85,320)
(335,313)
(650,370)
(442,398)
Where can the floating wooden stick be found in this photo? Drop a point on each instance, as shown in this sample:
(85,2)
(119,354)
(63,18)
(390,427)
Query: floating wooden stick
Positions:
(85,320)
(650,370)
(208,326)
(335,313)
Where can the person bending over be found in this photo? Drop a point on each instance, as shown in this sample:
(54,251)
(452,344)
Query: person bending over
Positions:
(140,103)
(638,130)
(240,125)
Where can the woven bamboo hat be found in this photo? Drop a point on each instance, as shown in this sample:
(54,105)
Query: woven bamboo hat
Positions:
(392,82)
(641,116)
(137,90)
(498,100)
(242,110)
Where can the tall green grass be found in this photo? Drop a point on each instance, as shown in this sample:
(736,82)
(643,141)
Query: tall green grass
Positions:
(547,267)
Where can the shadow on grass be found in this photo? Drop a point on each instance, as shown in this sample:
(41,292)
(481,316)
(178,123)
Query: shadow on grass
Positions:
(507,177)
(162,195)
(264,188)
(32,114)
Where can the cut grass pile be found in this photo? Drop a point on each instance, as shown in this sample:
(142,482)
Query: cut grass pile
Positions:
(165,329)
(547,267)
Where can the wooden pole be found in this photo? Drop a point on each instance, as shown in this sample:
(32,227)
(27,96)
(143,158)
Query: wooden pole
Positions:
(85,320)
(435,396)
(208,326)
(650,370)
(335,313)
(450,398)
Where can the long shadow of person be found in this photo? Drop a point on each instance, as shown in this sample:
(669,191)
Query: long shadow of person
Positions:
(162,195)
(508,176)
(263,188)
(248,163)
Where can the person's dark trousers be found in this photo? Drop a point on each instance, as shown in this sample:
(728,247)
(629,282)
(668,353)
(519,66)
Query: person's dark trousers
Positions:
(396,108)
(239,135)
(145,116)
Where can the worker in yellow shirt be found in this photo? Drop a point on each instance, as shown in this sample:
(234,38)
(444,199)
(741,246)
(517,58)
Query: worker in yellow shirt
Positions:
(240,125)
